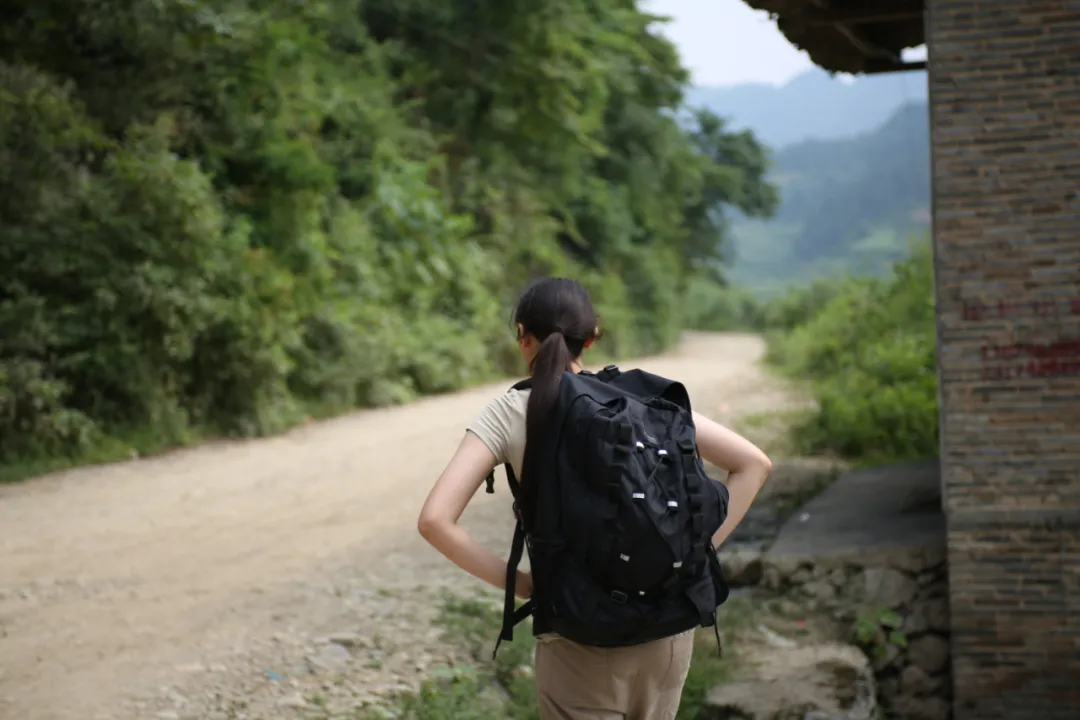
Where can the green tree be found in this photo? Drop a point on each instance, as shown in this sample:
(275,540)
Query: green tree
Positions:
(220,216)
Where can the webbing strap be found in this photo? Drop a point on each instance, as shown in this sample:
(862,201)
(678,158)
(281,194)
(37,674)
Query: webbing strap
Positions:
(605,433)
(512,481)
(620,436)
(696,592)
(512,617)
(697,515)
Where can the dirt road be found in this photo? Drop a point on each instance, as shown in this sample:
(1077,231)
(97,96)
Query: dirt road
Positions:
(192,584)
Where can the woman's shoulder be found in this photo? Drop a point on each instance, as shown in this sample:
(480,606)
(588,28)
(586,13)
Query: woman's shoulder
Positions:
(515,401)
(501,421)
(506,408)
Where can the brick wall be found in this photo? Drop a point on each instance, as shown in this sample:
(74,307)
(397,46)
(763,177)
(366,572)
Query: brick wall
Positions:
(1005,119)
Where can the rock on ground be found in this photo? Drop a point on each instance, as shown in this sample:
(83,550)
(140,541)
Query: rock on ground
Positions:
(888,587)
(811,682)
(742,566)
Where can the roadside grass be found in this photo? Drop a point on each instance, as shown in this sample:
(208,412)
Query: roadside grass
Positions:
(504,688)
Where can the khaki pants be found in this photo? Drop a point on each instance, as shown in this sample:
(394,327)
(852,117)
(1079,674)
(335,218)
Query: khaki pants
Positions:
(643,682)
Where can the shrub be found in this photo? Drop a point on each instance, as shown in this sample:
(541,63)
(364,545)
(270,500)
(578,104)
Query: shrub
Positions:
(798,304)
(869,353)
(716,307)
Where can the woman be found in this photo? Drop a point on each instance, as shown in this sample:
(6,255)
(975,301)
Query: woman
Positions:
(555,324)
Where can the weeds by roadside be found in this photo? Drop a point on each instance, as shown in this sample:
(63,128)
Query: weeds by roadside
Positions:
(868,353)
(504,688)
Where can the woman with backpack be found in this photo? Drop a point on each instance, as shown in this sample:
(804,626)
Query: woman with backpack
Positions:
(598,678)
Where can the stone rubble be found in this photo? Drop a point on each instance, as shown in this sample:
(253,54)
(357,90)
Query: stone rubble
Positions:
(333,675)
(824,682)
(914,674)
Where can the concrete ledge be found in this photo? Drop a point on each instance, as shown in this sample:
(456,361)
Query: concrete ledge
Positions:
(888,516)
(979,519)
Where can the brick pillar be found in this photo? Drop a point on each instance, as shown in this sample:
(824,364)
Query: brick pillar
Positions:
(1005,124)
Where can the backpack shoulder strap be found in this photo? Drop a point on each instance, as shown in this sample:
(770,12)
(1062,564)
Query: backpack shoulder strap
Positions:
(512,616)
(511,478)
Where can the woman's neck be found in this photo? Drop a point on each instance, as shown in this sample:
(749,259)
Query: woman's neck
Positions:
(575,367)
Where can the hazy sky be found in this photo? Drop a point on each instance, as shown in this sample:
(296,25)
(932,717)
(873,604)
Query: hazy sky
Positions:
(725,42)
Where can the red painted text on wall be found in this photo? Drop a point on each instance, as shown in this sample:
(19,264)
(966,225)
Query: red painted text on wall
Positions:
(1033,360)
(1005,309)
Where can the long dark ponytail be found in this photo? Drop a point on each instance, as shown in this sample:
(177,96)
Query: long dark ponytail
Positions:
(558,313)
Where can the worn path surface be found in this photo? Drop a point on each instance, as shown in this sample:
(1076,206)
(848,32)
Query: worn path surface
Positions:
(194,584)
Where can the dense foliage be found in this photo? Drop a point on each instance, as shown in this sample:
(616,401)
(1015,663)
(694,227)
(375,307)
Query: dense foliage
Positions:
(868,347)
(722,307)
(220,215)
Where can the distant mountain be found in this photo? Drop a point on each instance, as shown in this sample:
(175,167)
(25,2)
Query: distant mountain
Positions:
(846,205)
(813,105)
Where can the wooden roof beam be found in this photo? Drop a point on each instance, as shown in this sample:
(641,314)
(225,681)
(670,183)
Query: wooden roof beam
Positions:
(891,12)
(879,67)
(866,47)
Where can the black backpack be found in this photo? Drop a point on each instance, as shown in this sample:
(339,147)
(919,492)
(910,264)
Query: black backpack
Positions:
(621,516)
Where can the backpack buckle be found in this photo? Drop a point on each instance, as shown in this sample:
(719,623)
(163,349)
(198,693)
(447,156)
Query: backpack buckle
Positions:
(609,373)
(619,597)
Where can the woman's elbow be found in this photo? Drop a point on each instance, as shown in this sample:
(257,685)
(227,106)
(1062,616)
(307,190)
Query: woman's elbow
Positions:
(430,527)
(759,466)
(766,465)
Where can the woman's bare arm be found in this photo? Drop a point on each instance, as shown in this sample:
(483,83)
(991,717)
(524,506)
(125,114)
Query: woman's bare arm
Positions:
(446,502)
(748,466)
